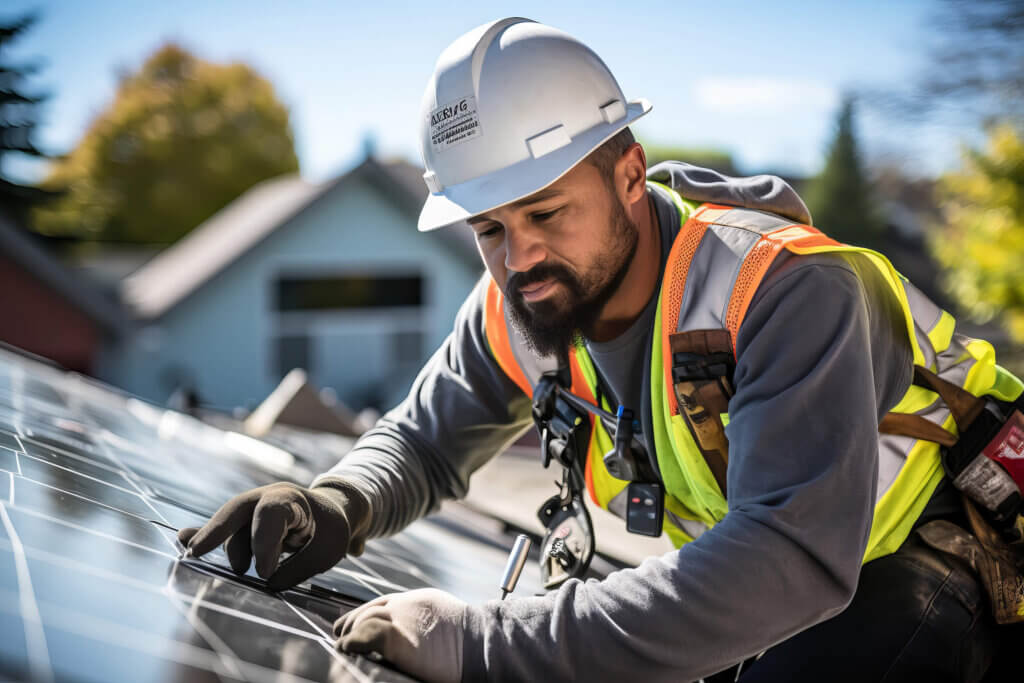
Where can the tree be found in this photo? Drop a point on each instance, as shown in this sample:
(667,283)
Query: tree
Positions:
(979,60)
(707,157)
(840,196)
(981,246)
(182,138)
(19,115)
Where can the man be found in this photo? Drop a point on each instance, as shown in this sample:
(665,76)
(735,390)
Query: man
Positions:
(812,557)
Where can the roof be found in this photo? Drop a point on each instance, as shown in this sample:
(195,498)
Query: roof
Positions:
(228,235)
(94,484)
(81,292)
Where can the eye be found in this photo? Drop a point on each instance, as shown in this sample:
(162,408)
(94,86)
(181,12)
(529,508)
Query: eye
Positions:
(489,232)
(543,216)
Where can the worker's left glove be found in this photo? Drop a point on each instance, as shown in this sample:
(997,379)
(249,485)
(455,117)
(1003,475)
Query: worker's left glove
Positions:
(419,631)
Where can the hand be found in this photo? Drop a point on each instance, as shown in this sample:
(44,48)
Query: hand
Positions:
(419,631)
(320,525)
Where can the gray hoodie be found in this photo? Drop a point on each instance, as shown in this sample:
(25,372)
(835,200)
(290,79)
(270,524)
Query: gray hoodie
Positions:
(821,356)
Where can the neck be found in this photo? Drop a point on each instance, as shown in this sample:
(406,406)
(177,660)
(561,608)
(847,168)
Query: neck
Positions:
(638,286)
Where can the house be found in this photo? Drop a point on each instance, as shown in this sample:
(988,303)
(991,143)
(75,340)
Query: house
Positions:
(332,278)
(47,309)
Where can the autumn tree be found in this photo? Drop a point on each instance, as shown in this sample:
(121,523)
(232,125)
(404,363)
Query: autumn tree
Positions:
(981,246)
(840,196)
(181,139)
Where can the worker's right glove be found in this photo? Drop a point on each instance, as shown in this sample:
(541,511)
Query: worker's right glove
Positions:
(320,525)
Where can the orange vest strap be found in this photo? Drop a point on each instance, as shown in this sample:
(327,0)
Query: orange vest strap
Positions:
(674,284)
(755,265)
(497,336)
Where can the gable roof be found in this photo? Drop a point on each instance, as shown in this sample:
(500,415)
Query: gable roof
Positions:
(222,239)
(83,294)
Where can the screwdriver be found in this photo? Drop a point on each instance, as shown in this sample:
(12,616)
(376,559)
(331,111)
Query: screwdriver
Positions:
(515,564)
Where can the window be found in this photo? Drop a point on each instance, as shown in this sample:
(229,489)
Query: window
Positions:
(347,292)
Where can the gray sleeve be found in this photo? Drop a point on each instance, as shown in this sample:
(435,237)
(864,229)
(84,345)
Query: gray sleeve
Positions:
(819,360)
(461,411)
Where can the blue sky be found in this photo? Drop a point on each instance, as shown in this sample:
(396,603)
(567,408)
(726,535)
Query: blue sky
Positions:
(759,79)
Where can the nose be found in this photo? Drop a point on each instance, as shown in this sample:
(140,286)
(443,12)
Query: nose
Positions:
(524,248)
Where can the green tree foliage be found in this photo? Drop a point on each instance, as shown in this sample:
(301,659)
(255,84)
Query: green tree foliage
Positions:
(182,138)
(717,159)
(19,115)
(840,196)
(981,246)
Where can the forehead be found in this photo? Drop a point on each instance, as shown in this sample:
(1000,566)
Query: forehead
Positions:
(581,179)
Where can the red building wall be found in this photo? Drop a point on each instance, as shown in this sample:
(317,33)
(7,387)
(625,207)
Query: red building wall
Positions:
(36,318)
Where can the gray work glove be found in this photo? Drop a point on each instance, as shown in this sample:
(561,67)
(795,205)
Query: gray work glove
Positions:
(419,631)
(320,525)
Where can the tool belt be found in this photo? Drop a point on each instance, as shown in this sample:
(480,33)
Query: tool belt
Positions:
(986,463)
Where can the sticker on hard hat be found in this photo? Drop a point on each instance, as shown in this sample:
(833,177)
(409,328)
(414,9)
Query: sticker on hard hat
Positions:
(453,123)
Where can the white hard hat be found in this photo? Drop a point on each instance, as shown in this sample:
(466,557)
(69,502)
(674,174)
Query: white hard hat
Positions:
(512,106)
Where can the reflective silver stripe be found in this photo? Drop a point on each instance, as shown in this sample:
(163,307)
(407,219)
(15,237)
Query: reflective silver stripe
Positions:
(712,275)
(710,281)
(690,527)
(952,365)
(926,315)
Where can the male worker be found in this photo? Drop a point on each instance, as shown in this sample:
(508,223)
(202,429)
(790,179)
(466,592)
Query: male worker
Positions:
(594,262)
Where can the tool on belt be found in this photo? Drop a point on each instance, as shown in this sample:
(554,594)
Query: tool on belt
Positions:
(986,463)
(564,425)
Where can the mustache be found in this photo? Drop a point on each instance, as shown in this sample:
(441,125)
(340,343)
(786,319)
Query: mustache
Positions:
(539,273)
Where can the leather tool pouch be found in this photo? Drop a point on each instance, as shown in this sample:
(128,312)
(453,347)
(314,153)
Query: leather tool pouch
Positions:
(990,497)
(702,367)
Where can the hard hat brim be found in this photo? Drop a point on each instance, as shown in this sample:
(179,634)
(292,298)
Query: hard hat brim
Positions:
(479,195)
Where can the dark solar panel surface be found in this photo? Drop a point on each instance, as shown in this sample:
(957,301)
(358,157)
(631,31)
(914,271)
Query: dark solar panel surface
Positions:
(92,583)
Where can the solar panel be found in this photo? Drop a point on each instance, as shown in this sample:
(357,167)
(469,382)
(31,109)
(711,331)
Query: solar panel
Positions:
(93,585)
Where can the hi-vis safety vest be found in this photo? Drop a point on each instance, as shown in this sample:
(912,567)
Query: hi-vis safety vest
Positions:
(909,468)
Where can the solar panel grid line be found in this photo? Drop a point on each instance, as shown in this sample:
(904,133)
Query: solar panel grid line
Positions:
(32,621)
(93,532)
(87,498)
(350,669)
(305,618)
(125,470)
(103,631)
(245,616)
(62,452)
(60,560)
(224,653)
(80,474)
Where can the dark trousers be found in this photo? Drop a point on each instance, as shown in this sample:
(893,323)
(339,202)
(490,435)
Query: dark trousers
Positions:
(917,615)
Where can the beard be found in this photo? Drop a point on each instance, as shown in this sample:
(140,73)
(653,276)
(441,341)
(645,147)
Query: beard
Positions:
(550,327)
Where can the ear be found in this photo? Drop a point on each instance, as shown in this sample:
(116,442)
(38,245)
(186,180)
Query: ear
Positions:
(631,175)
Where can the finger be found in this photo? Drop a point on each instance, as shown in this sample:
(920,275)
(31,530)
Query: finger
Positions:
(372,634)
(313,558)
(231,517)
(239,549)
(342,624)
(271,522)
(185,535)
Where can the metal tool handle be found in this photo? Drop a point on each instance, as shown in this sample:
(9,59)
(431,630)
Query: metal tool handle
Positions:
(516,562)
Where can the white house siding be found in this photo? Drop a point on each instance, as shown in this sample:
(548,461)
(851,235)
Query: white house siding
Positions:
(221,337)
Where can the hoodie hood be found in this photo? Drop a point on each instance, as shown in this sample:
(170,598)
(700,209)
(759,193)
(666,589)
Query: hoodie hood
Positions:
(760,192)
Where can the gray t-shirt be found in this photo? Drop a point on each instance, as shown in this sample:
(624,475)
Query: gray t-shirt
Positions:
(822,354)
(621,363)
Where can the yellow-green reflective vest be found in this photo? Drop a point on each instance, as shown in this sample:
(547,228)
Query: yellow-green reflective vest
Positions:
(909,469)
